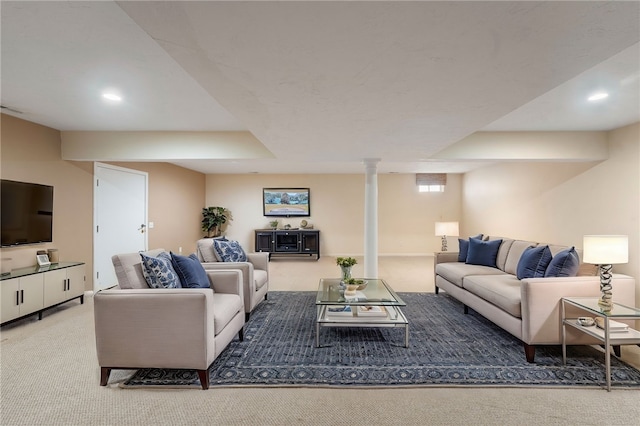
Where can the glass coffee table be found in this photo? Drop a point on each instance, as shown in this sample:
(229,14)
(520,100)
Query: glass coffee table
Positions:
(375,305)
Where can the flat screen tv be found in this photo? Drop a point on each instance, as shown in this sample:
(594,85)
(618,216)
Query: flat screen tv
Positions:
(286,202)
(26,213)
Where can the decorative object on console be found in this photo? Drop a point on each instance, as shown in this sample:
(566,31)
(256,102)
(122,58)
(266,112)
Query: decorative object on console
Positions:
(604,251)
(345,264)
(53,255)
(444,229)
(274,224)
(212,220)
(6,264)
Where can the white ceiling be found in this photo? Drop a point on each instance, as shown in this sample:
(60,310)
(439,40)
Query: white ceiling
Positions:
(324,85)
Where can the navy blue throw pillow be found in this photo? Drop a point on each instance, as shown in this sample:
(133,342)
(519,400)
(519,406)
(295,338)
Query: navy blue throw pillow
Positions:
(564,264)
(533,262)
(190,271)
(483,252)
(464,247)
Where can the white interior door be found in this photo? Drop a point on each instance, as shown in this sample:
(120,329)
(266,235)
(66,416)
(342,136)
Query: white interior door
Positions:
(120,218)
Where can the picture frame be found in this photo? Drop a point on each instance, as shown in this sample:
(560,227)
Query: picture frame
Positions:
(286,202)
(43,260)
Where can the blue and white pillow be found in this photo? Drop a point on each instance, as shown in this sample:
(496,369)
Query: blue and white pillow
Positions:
(158,271)
(229,251)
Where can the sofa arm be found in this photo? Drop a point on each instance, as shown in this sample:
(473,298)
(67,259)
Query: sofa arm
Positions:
(259,261)
(226,281)
(541,303)
(154,328)
(445,257)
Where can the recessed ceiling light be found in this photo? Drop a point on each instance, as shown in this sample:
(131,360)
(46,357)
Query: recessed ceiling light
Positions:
(598,96)
(112,96)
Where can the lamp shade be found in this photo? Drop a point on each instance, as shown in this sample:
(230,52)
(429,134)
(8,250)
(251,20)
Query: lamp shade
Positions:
(447,229)
(606,249)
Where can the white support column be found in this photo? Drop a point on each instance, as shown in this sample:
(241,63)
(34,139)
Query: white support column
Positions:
(371,219)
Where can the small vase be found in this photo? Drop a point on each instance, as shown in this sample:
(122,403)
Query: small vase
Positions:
(346,272)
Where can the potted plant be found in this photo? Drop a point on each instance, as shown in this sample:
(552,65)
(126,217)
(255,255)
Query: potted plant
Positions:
(212,220)
(345,264)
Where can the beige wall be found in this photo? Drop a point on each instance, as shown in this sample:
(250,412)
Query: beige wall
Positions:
(176,199)
(561,202)
(405,217)
(30,152)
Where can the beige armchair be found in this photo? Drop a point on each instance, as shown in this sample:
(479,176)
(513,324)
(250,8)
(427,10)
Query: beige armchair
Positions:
(255,272)
(183,328)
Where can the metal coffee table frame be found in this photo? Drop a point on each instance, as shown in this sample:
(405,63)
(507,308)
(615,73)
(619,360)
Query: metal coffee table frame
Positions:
(376,293)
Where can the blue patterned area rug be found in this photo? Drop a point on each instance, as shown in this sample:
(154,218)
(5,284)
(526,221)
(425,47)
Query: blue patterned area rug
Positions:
(447,348)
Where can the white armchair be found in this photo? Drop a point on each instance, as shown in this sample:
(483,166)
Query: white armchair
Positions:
(181,328)
(255,272)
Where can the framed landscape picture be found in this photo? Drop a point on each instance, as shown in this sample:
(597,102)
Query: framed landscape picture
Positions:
(286,202)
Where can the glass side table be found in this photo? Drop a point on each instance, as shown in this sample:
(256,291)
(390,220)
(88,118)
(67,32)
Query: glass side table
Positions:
(590,306)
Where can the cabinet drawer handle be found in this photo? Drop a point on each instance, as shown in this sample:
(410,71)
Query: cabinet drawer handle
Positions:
(17,297)
(21,296)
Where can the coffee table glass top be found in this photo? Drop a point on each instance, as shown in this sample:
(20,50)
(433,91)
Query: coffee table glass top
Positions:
(591,304)
(377,292)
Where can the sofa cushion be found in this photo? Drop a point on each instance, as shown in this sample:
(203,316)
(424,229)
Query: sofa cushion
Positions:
(533,262)
(564,264)
(225,307)
(515,252)
(503,251)
(158,271)
(483,252)
(454,272)
(463,247)
(190,271)
(229,251)
(502,291)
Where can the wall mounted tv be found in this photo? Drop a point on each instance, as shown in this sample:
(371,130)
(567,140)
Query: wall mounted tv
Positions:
(286,202)
(26,213)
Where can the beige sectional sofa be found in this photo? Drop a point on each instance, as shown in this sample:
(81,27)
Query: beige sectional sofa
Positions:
(528,308)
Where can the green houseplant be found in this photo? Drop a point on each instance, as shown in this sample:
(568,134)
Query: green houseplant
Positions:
(212,220)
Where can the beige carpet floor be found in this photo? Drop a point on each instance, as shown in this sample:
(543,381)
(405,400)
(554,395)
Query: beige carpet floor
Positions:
(49,376)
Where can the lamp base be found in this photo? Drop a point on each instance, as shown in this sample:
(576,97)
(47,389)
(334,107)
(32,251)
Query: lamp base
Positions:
(444,243)
(606,289)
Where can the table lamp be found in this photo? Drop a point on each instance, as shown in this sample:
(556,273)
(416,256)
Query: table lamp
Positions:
(605,250)
(446,228)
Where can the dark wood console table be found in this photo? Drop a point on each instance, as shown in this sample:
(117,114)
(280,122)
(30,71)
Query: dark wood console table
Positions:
(288,242)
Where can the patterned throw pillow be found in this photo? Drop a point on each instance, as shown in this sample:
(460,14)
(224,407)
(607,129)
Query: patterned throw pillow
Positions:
(159,272)
(229,251)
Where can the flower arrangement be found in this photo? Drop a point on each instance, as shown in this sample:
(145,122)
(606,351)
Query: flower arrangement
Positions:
(346,262)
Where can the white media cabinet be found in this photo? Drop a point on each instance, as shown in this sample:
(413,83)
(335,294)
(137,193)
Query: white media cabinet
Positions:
(32,290)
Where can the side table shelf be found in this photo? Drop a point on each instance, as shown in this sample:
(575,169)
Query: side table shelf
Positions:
(590,306)
(32,290)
